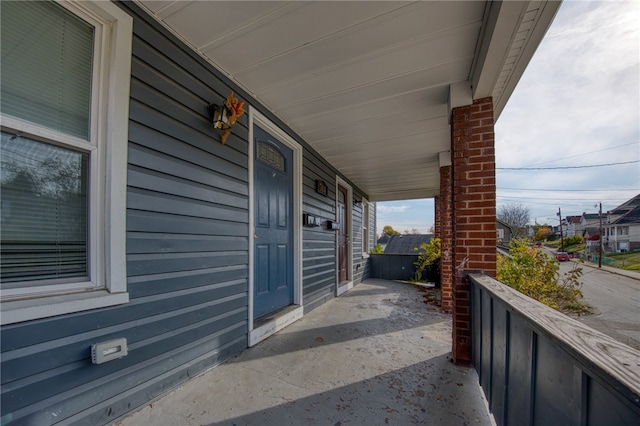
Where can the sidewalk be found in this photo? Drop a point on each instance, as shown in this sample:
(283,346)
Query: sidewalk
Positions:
(629,274)
(376,355)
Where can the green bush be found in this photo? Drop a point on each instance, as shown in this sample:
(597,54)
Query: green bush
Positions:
(533,273)
(573,240)
(378,249)
(429,258)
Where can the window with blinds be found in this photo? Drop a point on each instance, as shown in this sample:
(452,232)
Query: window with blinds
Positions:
(46,77)
(44,211)
(65,78)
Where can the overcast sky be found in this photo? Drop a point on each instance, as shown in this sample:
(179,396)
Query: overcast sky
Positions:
(577,104)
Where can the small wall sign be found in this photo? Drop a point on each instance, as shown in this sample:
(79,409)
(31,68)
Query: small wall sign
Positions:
(321,187)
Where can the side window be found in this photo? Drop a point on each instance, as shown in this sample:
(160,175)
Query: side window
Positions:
(64,107)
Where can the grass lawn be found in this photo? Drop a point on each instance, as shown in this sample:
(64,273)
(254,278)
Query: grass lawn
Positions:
(628,261)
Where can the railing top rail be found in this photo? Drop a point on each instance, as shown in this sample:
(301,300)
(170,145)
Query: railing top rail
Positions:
(592,348)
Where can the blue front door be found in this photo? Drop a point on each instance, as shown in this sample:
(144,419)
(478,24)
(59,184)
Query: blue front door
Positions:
(273,234)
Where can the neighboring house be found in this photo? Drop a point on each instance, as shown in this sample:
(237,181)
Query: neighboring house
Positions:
(183,250)
(383,241)
(572,225)
(589,225)
(504,233)
(407,243)
(530,231)
(621,227)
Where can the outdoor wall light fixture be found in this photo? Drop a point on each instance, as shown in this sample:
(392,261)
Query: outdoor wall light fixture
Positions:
(226,115)
(357,203)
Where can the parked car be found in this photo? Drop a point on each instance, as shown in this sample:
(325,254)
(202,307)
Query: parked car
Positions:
(562,256)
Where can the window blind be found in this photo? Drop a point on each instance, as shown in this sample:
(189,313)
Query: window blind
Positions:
(43,224)
(47,55)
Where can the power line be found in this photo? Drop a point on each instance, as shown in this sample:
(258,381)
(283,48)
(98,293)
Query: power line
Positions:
(561,190)
(566,167)
(586,153)
(554,201)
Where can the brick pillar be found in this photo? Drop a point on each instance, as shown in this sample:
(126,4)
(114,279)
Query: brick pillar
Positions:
(446,239)
(436,215)
(474,210)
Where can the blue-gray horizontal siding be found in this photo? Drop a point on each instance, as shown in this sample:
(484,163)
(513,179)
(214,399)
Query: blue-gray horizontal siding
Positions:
(319,243)
(187,253)
(187,258)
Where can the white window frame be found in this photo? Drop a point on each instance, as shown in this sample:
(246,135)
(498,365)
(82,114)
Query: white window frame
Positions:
(366,221)
(107,148)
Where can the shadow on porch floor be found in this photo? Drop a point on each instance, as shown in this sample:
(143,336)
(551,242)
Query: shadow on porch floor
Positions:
(376,355)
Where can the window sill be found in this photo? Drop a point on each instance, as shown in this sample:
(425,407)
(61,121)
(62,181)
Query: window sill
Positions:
(365,255)
(44,307)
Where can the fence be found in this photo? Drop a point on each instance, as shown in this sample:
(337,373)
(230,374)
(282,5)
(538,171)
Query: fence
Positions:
(398,267)
(540,367)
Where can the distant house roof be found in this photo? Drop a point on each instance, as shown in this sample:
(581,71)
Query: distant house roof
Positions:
(384,239)
(405,244)
(627,206)
(574,219)
(504,224)
(591,232)
(631,217)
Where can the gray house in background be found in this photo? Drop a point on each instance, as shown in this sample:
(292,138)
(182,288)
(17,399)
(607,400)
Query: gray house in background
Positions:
(407,243)
(621,227)
(504,233)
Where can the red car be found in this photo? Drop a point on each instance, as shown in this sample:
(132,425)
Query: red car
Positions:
(562,256)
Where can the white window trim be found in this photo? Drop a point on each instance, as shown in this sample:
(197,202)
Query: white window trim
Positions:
(110,122)
(366,248)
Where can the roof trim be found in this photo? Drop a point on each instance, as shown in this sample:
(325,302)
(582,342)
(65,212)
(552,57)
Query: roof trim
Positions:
(507,21)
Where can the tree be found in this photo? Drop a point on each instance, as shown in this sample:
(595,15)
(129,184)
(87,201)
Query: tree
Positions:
(377,249)
(515,215)
(542,233)
(388,230)
(537,275)
(429,258)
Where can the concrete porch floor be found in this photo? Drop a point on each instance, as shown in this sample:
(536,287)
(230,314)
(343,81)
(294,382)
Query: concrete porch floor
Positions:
(376,355)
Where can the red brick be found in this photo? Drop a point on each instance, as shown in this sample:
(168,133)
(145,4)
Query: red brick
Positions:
(473,208)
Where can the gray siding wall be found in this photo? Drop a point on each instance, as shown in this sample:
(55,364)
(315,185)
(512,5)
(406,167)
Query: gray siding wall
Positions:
(319,244)
(187,254)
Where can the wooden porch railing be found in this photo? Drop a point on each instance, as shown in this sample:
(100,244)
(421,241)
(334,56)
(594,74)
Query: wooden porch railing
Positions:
(540,367)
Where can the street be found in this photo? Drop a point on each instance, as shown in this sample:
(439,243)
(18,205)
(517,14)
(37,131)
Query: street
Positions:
(615,300)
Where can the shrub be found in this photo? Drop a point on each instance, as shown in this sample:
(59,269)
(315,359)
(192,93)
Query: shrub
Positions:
(378,249)
(533,273)
(429,258)
(573,240)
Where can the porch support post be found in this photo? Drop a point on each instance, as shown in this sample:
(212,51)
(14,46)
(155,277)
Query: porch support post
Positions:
(474,210)
(436,215)
(446,234)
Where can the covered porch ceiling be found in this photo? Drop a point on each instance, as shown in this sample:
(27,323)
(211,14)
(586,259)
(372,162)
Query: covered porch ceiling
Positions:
(368,84)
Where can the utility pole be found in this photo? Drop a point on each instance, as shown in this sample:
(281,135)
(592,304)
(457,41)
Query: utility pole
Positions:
(561,235)
(600,254)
